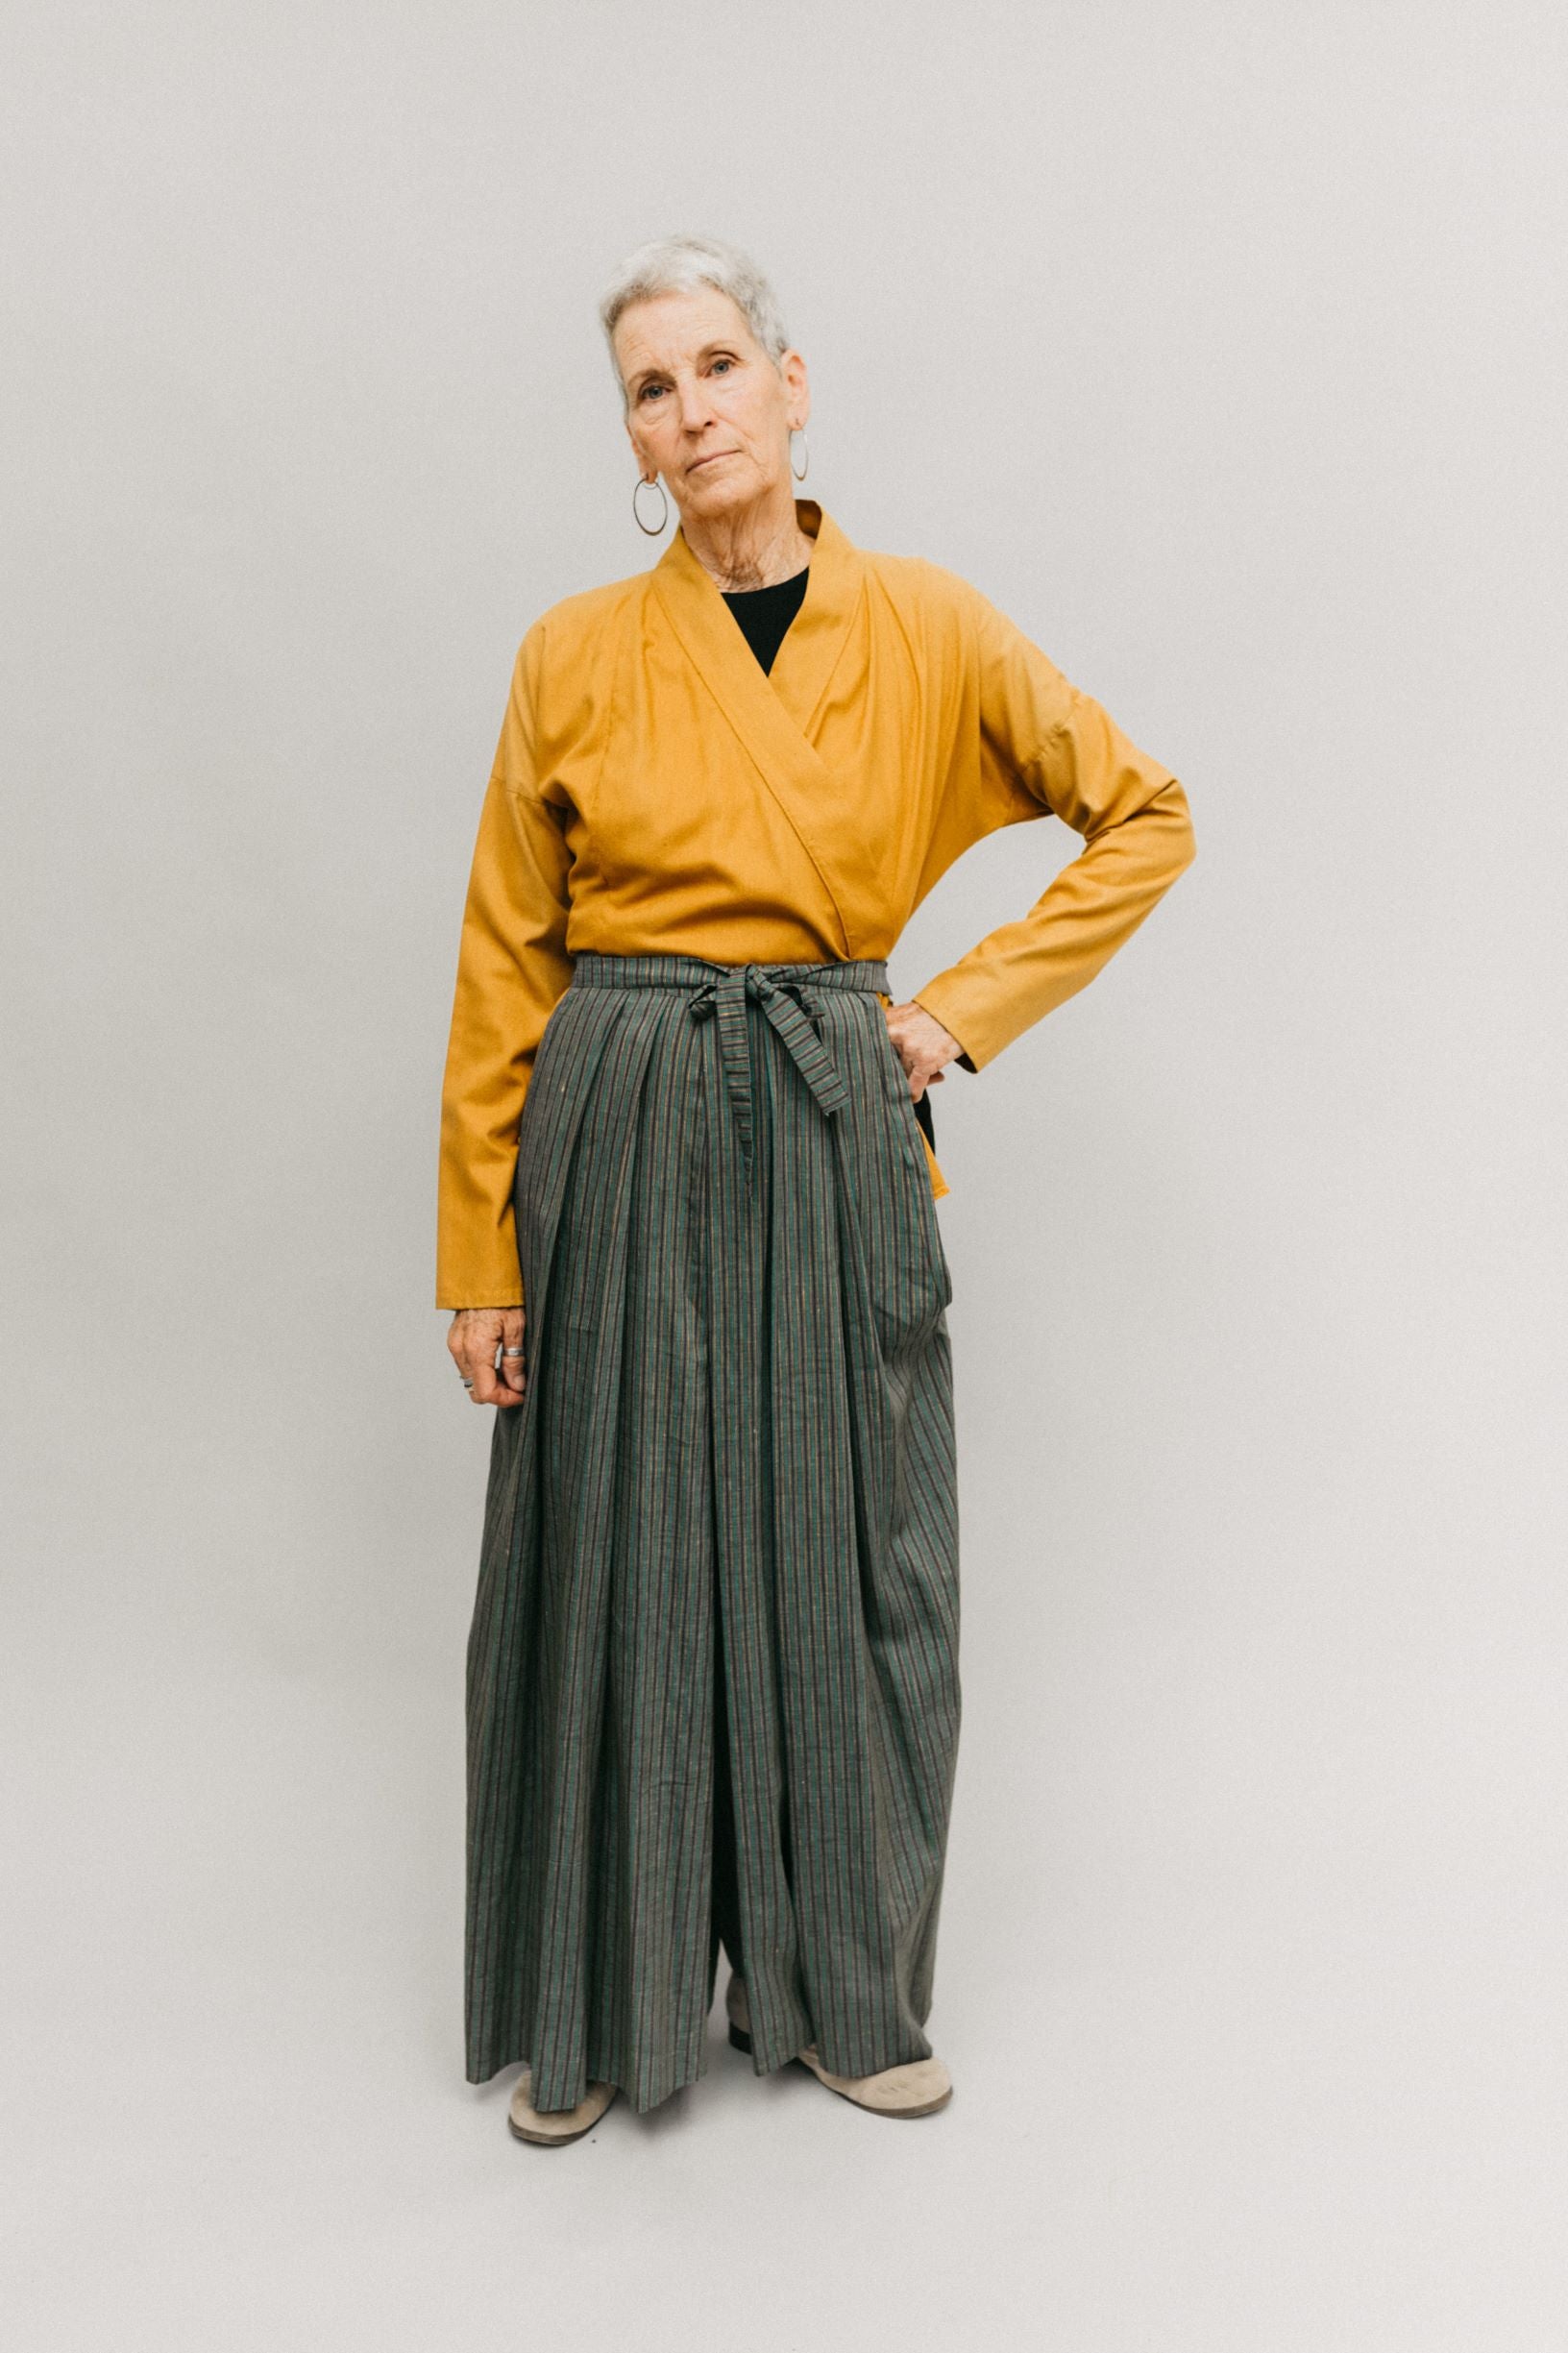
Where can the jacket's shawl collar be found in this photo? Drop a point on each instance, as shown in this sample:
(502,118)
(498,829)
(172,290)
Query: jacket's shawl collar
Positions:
(771,713)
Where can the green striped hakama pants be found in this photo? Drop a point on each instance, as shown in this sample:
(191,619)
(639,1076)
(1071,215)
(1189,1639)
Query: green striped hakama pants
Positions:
(713,1684)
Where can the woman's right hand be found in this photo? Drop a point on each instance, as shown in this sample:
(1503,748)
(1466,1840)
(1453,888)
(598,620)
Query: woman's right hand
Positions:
(473,1337)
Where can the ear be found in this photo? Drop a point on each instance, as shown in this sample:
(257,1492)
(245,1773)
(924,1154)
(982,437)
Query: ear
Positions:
(797,387)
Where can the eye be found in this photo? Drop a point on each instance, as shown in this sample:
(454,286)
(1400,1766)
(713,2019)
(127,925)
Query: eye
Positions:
(723,364)
(646,389)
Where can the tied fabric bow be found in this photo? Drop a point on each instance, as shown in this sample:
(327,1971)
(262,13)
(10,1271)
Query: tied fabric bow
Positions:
(792,1008)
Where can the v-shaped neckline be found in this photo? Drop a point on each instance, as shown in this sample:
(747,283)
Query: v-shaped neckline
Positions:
(763,615)
(812,644)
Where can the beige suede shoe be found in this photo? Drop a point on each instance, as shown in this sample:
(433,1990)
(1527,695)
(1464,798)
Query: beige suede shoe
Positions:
(918,2088)
(551,2127)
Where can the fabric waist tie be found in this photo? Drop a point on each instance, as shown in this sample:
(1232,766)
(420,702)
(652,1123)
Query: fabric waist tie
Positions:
(787,994)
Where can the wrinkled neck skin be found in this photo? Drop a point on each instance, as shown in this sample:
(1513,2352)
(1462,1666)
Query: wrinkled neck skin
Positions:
(754,546)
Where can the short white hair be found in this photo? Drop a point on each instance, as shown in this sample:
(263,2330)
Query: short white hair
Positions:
(680,266)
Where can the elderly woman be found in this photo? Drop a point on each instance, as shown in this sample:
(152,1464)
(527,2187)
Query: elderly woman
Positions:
(688,1228)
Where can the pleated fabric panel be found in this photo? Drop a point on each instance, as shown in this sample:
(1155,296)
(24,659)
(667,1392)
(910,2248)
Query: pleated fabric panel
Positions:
(737,1439)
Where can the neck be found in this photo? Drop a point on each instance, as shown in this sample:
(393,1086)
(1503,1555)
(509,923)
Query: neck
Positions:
(756,548)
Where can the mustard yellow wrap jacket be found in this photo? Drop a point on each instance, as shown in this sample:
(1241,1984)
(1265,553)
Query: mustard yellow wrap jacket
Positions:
(655,791)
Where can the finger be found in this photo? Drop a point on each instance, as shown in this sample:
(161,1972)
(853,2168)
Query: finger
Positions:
(512,1347)
(493,1385)
(476,1355)
(470,1340)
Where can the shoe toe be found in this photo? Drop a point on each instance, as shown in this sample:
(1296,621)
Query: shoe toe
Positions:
(919,2083)
(551,2126)
(914,2088)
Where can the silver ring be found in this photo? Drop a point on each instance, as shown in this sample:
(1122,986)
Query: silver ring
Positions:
(468,1385)
(511,1352)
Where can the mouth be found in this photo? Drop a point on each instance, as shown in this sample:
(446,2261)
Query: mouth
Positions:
(712,459)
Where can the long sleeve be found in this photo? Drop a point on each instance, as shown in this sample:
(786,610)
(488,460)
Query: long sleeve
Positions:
(1043,747)
(512,970)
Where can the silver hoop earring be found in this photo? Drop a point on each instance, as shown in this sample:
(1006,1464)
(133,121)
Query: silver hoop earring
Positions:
(806,468)
(651,529)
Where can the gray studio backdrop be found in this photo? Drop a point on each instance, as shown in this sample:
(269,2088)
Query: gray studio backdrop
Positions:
(1224,349)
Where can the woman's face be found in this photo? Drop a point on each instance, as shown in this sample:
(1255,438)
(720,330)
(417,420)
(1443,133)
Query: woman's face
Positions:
(705,406)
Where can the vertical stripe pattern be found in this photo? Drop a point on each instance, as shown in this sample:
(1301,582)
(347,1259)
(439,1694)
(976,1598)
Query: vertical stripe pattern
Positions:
(735,1457)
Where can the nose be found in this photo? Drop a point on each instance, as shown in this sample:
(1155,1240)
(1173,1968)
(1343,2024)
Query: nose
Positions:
(695,408)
